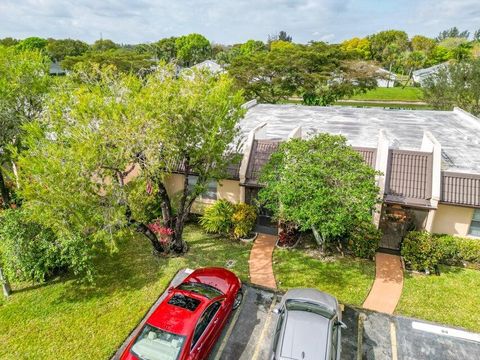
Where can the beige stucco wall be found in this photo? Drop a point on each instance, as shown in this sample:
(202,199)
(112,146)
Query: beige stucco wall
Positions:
(226,189)
(453,220)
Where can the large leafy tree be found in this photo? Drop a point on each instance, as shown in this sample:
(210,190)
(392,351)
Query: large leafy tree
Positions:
(123,59)
(455,85)
(386,45)
(24,82)
(337,189)
(104,45)
(32,43)
(192,49)
(59,49)
(102,128)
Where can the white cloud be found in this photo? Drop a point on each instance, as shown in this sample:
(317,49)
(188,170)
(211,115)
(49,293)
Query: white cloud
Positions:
(230,21)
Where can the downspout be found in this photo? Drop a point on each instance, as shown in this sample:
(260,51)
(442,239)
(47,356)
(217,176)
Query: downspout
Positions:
(431,144)
(381,165)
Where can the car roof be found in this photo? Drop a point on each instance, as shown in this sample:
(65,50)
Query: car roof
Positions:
(176,319)
(304,336)
(314,296)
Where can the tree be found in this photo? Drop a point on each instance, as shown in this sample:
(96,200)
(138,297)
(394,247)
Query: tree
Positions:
(251,47)
(455,85)
(104,45)
(452,33)
(476,35)
(165,49)
(158,123)
(24,82)
(333,176)
(423,43)
(413,60)
(32,43)
(8,41)
(192,49)
(383,43)
(357,47)
(281,36)
(123,59)
(59,49)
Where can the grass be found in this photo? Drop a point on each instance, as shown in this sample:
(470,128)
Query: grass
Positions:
(346,278)
(393,106)
(451,298)
(392,94)
(64,320)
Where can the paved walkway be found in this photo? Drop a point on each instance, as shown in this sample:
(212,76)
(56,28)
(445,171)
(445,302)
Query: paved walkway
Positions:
(261,270)
(388,284)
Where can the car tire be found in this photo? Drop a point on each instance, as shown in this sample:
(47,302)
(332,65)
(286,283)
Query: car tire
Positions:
(238,299)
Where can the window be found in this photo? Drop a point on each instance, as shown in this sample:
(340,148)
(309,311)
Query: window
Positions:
(185,302)
(475,225)
(205,319)
(156,344)
(211,191)
(203,289)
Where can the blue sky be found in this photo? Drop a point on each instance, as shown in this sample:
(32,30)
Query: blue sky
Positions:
(231,21)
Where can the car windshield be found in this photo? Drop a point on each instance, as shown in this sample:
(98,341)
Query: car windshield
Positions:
(301,305)
(156,344)
(203,289)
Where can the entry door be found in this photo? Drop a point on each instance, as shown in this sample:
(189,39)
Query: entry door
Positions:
(264,217)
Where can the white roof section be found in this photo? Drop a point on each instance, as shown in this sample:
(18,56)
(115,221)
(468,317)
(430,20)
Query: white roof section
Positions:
(210,65)
(457,131)
(420,75)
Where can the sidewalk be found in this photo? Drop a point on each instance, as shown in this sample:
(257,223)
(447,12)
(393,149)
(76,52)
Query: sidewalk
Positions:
(388,284)
(261,270)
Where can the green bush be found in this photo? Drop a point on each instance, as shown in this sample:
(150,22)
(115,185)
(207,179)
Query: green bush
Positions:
(29,252)
(217,218)
(243,219)
(420,252)
(455,250)
(363,240)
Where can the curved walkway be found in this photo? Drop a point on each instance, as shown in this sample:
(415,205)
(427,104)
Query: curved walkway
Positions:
(261,269)
(388,284)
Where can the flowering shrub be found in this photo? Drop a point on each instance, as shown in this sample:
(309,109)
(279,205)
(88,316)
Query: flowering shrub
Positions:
(243,219)
(288,234)
(163,233)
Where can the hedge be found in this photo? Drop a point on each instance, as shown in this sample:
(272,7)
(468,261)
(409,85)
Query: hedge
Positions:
(424,251)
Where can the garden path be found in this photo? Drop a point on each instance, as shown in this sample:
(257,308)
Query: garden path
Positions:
(388,284)
(261,269)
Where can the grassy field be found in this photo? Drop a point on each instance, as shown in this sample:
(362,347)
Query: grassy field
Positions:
(404,106)
(65,320)
(346,278)
(391,94)
(451,298)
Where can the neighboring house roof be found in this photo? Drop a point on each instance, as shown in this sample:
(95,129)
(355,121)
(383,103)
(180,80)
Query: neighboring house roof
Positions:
(387,74)
(460,189)
(56,69)
(259,156)
(233,170)
(456,131)
(210,65)
(420,75)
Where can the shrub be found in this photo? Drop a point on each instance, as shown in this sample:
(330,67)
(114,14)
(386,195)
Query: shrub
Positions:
(217,218)
(29,251)
(243,219)
(420,252)
(454,249)
(363,240)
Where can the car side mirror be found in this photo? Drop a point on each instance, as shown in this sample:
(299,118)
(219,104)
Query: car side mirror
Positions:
(170,289)
(277,311)
(341,324)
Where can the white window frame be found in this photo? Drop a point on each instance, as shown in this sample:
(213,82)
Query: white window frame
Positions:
(474,229)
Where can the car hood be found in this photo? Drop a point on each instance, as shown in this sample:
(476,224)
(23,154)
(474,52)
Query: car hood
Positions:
(305,336)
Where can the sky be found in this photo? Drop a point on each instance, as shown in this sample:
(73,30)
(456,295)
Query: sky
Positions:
(231,21)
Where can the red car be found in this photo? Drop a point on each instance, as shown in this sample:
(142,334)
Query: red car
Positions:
(188,322)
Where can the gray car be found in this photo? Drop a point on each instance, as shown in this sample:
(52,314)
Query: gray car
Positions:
(308,326)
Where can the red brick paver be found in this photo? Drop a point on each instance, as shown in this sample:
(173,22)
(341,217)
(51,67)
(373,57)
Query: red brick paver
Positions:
(261,270)
(388,284)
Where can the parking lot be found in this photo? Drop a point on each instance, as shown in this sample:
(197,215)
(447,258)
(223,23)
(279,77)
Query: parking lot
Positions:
(370,335)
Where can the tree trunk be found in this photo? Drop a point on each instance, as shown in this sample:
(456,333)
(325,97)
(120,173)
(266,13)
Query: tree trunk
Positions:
(409,78)
(165,205)
(7,290)
(4,191)
(142,228)
(179,245)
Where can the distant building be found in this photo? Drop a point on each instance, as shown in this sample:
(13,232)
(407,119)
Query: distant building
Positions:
(419,76)
(386,78)
(209,65)
(56,69)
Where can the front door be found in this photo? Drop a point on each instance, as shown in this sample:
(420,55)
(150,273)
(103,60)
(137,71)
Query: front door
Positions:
(265,222)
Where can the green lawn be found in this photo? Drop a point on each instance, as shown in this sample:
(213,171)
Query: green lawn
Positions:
(404,106)
(64,320)
(392,94)
(451,298)
(346,278)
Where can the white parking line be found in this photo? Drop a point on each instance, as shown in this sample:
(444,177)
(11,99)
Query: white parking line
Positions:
(265,329)
(441,330)
(393,341)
